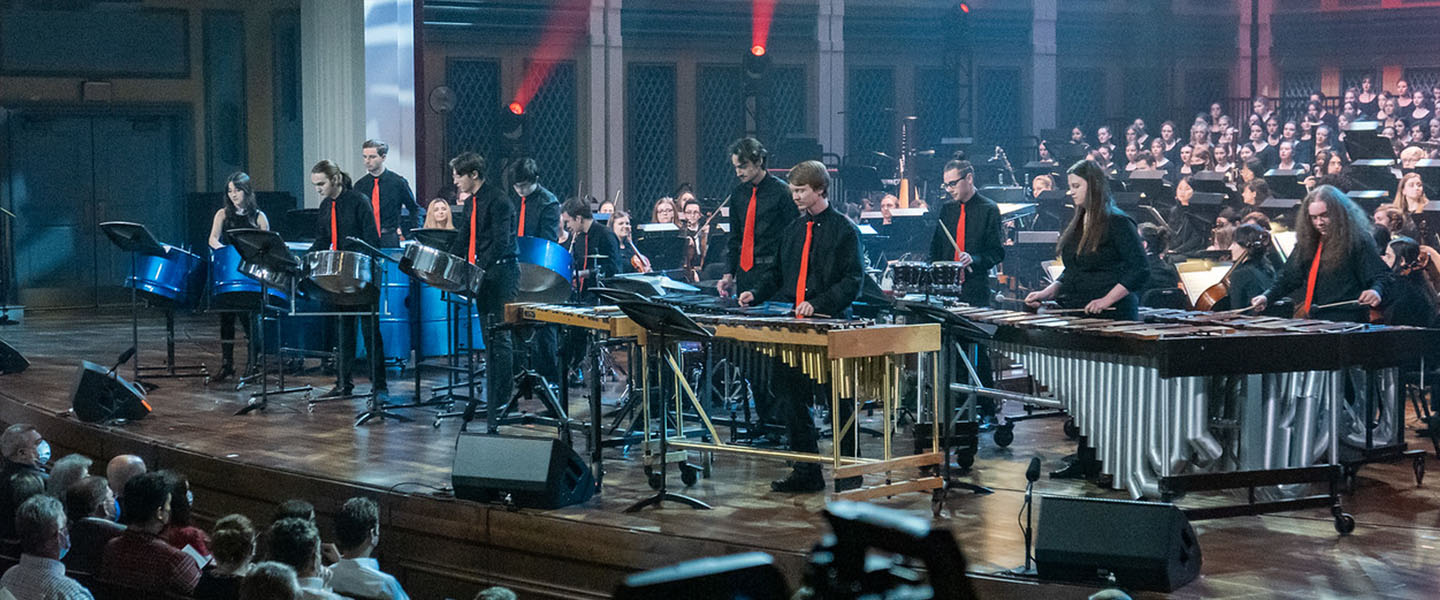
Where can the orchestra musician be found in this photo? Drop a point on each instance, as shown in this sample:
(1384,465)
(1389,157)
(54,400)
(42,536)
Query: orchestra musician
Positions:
(240,212)
(1104,259)
(1253,272)
(1334,261)
(696,240)
(352,216)
(537,215)
(388,193)
(760,211)
(631,260)
(594,250)
(819,272)
(486,238)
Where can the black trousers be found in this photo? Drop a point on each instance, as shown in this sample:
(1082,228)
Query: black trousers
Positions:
(227,337)
(370,328)
(497,289)
(794,393)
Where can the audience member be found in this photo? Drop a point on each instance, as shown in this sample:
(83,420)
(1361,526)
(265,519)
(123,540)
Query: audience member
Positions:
(270,581)
(357,528)
(496,593)
(68,470)
(300,509)
(40,523)
(90,511)
(138,558)
(24,451)
(119,471)
(296,542)
(180,532)
(234,547)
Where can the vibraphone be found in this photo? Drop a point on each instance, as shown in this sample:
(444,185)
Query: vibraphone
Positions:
(1191,401)
(858,358)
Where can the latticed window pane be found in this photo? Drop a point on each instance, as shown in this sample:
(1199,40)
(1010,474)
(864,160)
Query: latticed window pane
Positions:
(720,120)
(936,105)
(1295,88)
(650,149)
(1352,78)
(1204,86)
(553,130)
(997,104)
(468,127)
(787,102)
(869,110)
(1082,99)
(1422,79)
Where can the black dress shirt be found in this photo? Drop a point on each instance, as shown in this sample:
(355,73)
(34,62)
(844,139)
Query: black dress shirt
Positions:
(833,273)
(394,194)
(352,217)
(542,214)
(983,242)
(774,211)
(494,227)
(1120,258)
(597,240)
(1163,275)
(1250,279)
(1360,269)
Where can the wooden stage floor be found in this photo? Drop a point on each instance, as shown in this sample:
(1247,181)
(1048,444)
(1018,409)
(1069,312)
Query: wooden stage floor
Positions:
(442,548)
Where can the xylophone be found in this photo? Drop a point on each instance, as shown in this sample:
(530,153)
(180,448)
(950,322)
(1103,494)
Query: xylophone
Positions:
(1189,400)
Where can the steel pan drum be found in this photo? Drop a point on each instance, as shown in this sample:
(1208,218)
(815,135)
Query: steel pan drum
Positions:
(544,271)
(338,272)
(175,279)
(441,269)
(232,288)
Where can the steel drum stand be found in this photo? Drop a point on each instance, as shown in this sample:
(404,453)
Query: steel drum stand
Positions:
(376,408)
(472,401)
(266,249)
(137,239)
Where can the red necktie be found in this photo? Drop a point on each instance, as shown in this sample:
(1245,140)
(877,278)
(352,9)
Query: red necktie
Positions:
(747,247)
(521,232)
(375,204)
(960,233)
(1310,282)
(334,232)
(804,264)
(470,203)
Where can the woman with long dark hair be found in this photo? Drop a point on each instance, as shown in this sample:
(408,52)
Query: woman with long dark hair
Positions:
(240,212)
(1252,273)
(1410,298)
(1104,259)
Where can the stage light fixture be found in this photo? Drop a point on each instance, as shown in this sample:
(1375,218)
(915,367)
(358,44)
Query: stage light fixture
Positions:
(516,108)
(757,50)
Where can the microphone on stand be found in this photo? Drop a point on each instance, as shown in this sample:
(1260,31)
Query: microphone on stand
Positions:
(1032,474)
(124,358)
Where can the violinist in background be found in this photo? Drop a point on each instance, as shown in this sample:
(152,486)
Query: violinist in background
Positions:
(1410,298)
(631,260)
(697,236)
(1253,272)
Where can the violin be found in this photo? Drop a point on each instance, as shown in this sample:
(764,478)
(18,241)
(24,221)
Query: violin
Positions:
(638,260)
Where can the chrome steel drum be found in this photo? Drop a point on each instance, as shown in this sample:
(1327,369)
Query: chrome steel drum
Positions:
(175,279)
(232,288)
(544,271)
(441,269)
(338,272)
(911,276)
(947,277)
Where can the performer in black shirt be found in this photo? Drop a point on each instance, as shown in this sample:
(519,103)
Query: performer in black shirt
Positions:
(389,193)
(537,216)
(1252,273)
(594,250)
(1348,267)
(760,210)
(1104,259)
(819,273)
(486,238)
(343,214)
(240,212)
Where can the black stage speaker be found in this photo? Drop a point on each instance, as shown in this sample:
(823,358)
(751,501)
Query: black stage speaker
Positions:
(11,361)
(99,396)
(533,472)
(1146,545)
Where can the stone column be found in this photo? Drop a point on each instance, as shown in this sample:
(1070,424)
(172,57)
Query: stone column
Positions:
(332,67)
(830,75)
(1042,67)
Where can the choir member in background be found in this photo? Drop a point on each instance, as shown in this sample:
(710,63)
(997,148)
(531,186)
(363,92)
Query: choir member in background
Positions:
(761,208)
(1286,152)
(1156,240)
(1253,272)
(1105,138)
(819,272)
(391,200)
(1289,132)
(631,259)
(1409,156)
(1403,99)
(1411,294)
(663,211)
(353,217)
(1142,136)
(1255,193)
(1217,115)
(1172,141)
(1334,260)
(437,215)
(240,212)
(1158,160)
(1132,156)
(1077,136)
(1261,149)
(486,237)
(1272,131)
(1367,100)
(1043,151)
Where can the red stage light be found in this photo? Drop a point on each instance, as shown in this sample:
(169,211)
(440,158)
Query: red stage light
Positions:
(516,108)
(757,50)
(965,8)
(762,12)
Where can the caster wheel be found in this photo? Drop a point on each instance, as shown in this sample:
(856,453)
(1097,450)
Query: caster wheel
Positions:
(1004,436)
(436,424)
(1419,467)
(1071,431)
(653,478)
(689,475)
(1344,523)
(965,459)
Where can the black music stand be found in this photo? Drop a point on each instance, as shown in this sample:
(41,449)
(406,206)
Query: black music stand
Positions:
(137,240)
(266,249)
(665,324)
(1286,183)
(972,332)
(377,407)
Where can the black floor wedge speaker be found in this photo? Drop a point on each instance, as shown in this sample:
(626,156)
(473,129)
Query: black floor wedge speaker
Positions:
(1145,545)
(101,396)
(532,472)
(11,361)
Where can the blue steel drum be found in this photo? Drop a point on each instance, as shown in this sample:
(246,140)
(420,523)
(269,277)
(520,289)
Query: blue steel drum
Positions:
(544,271)
(395,316)
(175,279)
(435,336)
(307,333)
(229,288)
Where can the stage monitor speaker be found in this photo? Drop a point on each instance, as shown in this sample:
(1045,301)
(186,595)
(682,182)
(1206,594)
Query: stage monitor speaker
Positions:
(1145,545)
(533,472)
(100,395)
(11,361)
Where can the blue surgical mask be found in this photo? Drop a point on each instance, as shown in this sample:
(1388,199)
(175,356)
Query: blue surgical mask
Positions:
(42,453)
(64,543)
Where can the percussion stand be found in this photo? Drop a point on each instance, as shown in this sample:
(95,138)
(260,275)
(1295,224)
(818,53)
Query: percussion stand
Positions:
(137,239)
(472,400)
(529,383)
(265,248)
(964,328)
(452,332)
